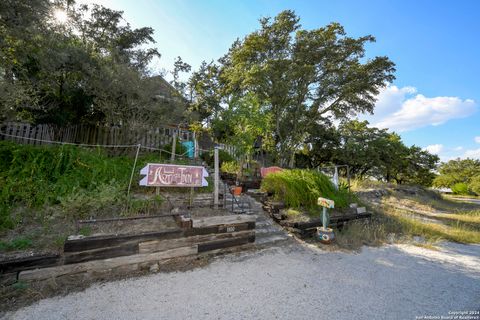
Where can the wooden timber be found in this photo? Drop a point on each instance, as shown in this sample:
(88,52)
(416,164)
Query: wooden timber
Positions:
(161,245)
(222,220)
(220,244)
(26,263)
(90,243)
(105,266)
(124,249)
(318,222)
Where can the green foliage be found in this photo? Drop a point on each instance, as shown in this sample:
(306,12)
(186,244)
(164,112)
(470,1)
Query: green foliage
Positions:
(230,167)
(80,181)
(92,68)
(370,152)
(460,188)
(15,244)
(242,123)
(304,76)
(223,156)
(475,184)
(301,188)
(20,285)
(458,171)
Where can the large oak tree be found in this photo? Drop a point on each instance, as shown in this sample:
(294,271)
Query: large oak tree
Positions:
(305,77)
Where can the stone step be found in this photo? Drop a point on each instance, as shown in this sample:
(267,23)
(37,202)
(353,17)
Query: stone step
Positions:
(270,238)
(243,211)
(264,230)
(261,224)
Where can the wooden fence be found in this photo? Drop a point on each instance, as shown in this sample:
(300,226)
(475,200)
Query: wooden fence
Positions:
(88,134)
(26,133)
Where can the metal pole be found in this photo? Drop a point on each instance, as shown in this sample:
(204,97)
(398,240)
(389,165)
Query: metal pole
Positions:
(133,170)
(324,218)
(216,179)
(195,146)
(174,145)
(131,178)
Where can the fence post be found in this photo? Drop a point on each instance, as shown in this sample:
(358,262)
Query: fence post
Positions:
(216,179)
(133,170)
(174,144)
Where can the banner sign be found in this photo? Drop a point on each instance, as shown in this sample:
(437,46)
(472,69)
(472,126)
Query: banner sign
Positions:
(170,175)
(265,171)
(327,203)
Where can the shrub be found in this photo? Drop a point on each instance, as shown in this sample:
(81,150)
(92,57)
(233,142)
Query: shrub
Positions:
(230,167)
(15,244)
(460,188)
(475,185)
(223,156)
(301,188)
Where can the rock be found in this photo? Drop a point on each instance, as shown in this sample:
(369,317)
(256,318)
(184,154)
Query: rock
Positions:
(419,239)
(361,210)
(76,237)
(391,237)
(353,205)
(154,267)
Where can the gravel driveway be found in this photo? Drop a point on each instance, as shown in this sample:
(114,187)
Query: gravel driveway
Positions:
(391,282)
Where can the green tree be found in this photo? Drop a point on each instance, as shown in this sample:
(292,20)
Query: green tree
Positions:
(373,152)
(304,76)
(241,123)
(92,68)
(206,92)
(457,171)
(475,184)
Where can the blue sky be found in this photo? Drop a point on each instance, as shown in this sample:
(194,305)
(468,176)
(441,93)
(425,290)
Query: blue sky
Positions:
(434,102)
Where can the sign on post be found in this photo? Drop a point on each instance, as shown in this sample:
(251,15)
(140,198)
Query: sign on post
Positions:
(170,175)
(326,203)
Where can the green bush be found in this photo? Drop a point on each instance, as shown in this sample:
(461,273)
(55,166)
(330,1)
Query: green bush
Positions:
(460,188)
(301,188)
(230,167)
(15,244)
(223,156)
(475,185)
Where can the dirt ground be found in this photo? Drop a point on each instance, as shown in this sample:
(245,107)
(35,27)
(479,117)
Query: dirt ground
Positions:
(295,282)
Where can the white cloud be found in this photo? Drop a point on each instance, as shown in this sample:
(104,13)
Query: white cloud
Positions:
(460,148)
(434,148)
(398,109)
(474,153)
(477,139)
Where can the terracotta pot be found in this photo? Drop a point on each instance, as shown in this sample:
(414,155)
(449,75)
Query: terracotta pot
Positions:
(237,191)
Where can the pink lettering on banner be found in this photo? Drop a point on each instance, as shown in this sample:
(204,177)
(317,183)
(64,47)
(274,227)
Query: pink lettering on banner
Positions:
(167,175)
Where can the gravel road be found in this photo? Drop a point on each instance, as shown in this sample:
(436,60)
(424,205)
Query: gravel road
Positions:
(391,282)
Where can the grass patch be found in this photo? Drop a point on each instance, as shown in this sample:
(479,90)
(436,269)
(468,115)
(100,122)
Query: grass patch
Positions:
(408,211)
(301,188)
(15,244)
(77,182)
(438,232)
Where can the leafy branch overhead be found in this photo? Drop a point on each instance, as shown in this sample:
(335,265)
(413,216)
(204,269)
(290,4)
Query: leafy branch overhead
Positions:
(91,68)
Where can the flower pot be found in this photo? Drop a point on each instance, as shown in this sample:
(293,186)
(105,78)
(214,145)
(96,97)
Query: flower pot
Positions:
(237,191)
(325,235)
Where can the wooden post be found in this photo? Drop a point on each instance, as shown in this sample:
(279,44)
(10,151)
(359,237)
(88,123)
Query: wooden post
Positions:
(174,144)
(348,177)
(216,179)
(131,176)
(195,146)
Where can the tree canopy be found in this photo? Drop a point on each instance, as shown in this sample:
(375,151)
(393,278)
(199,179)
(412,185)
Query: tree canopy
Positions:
(460,171)
(91,68)
(303,77)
